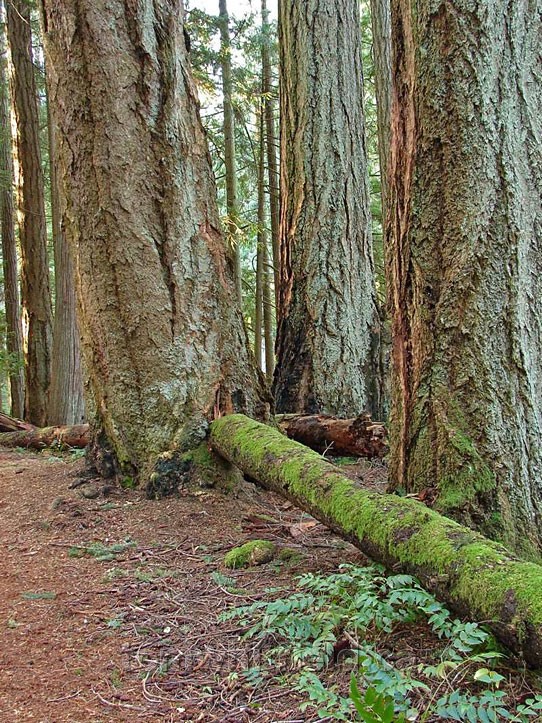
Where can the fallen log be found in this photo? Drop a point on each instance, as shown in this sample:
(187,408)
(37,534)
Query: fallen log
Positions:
(39,437)
(10,424)
(474,576)
(359,437)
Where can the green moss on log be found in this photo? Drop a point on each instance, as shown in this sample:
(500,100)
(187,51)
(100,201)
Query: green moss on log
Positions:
(472,574)
(255,552)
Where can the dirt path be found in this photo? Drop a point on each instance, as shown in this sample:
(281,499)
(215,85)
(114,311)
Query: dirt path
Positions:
(108,606)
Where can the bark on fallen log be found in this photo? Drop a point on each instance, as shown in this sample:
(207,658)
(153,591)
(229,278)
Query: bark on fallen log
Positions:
(40,437)
(476,577)
(10,424)
(359,437)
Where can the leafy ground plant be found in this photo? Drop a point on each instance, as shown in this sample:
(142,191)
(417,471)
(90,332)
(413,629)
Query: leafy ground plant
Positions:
(345,619)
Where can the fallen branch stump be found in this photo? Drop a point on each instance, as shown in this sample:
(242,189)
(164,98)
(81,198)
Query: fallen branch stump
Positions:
(359,437)
(40,437)
(476,577)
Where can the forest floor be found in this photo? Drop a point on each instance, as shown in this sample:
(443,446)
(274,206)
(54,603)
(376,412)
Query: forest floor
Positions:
(109,606)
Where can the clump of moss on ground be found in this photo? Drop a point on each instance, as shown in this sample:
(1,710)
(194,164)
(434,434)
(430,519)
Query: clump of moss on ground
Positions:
(255,552)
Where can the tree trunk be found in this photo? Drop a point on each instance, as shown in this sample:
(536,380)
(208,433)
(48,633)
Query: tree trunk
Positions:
(36,298)
(465,262)
(66,400)
(327,321)
(271,143)
(381,30)
(14,337)
(162,332)
(359,437)
(76,436)
(471,574)
(229,144)
(260,238)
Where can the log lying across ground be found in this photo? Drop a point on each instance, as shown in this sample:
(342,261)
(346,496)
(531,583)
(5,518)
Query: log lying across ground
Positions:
(40,437)
(476,577)
(359,437)
(10,424)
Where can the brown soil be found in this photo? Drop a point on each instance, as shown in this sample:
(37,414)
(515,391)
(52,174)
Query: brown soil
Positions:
(109,606)
(135,637)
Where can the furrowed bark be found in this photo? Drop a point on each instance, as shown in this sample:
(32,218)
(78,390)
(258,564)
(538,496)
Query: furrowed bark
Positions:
(77,436)
(162,332)
(473,575)
(359,437)
(328,325)
(14,333)
(464,262)
(36,298)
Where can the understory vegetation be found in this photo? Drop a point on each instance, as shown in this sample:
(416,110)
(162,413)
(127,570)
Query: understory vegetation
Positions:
(455,670)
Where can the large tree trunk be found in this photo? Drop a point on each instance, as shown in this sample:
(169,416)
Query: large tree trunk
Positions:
(36,298)
(471,574)
(465,262)
(163,335)
(229,143)
(327,322)
(66,399)
(14,336)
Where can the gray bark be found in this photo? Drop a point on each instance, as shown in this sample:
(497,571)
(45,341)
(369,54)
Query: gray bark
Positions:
(14,340)
(36,298)
(163,336)
(327,320)
(465,261)
(66,399)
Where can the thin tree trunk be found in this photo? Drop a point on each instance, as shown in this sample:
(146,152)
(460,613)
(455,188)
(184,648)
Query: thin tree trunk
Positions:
(229,144)
(381,31)
(260,240)
(473,575)
(66,400)
(327,323)
(271,143)
(14,338)
(36,299)
(267,313)
(163,337)
(465,262)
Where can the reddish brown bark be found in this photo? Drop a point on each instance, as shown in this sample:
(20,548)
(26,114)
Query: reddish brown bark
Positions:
(38,438)
(10,424)
(359,437)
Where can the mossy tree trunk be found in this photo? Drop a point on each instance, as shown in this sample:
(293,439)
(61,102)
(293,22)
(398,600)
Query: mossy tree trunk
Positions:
(327,319)
(163,337)
(465,262)
(473,575)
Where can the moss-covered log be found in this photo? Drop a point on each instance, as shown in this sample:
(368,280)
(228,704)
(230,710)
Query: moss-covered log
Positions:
(40,437)
(473,575)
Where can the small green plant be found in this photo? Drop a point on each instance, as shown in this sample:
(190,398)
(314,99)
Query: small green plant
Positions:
(128,483)
(45,595)
(101,552)
(358,605)
(373,707)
